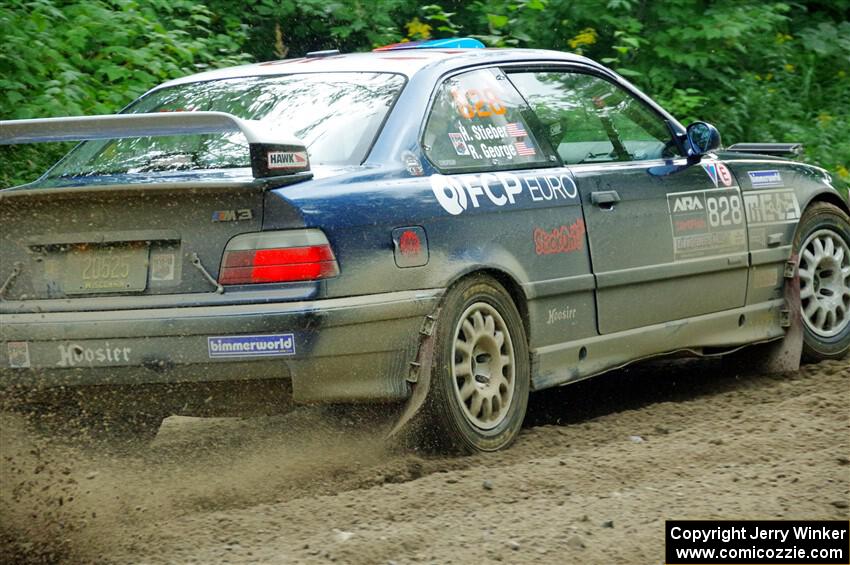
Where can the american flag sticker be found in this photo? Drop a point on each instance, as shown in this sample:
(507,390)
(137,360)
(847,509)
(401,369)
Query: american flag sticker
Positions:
(516,129)
(524,149)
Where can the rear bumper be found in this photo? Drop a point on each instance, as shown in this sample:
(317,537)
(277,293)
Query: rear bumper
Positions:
(343,349)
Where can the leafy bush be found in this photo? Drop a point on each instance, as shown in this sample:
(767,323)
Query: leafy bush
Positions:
(77,57)
(761,70)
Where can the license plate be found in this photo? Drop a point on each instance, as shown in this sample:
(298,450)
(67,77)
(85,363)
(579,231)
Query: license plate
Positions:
(116,268)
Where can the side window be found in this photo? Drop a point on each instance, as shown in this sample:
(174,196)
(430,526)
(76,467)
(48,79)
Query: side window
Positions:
(478,121)
(590,120)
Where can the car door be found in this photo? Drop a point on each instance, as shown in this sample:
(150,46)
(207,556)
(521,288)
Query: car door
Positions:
(510,206)
(667,239)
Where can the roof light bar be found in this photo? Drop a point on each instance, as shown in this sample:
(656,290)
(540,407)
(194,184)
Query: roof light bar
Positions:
(325,53)
(450,43)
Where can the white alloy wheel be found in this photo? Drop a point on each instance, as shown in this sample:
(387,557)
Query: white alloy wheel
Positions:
(825,283)
(484,372)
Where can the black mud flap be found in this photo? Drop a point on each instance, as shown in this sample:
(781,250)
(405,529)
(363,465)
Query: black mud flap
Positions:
(420,376)
(784,356)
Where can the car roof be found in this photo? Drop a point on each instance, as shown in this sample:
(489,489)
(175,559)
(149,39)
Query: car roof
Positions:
(407,62)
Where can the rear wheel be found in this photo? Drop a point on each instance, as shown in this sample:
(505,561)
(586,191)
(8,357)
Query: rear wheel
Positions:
(823,246)
(480,376)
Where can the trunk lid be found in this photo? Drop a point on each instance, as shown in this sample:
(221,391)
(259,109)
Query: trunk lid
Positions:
(121,239)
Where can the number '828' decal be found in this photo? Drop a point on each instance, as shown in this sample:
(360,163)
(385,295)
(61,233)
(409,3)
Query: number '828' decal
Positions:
(707,222)
(724,210)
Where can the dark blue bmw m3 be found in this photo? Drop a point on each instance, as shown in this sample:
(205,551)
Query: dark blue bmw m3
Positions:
(434,223)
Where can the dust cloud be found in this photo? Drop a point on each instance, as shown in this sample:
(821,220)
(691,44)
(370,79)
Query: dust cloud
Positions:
(57,498)
(595,472)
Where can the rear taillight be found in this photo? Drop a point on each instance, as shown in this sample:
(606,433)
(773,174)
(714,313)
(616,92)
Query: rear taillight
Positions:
(276,257)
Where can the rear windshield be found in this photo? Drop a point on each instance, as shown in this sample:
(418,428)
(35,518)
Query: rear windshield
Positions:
(337,116)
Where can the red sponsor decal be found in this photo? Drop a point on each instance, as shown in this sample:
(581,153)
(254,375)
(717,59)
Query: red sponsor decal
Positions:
(564,239)
(689,225)
(409,244)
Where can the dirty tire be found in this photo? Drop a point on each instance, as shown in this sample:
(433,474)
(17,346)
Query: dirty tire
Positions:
(481,370)
(823,245)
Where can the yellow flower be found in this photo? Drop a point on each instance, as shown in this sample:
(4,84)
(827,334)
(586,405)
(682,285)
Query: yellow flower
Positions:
(586,36)
(843,172)
(783,37)
(823,118)
(789,67)
(415,28)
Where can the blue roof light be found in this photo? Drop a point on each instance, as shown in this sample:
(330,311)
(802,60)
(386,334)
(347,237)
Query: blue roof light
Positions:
(450,43)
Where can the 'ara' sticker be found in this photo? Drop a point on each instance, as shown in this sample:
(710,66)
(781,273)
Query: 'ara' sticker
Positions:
(711,171)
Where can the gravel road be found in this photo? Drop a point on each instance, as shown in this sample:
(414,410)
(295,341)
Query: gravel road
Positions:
(598,468)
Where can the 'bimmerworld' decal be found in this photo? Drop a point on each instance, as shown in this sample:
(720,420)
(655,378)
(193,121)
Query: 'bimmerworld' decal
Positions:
(251,345)
(761,179)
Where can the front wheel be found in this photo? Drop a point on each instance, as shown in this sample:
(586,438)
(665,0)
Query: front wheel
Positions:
(823,245)
(481,371)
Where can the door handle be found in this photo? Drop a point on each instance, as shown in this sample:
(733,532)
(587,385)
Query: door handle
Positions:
(605,199)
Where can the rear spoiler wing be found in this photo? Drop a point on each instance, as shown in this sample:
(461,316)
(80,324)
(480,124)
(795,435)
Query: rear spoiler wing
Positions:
(774,149)
(272,154)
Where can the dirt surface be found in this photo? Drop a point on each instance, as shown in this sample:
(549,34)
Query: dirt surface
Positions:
(598,468)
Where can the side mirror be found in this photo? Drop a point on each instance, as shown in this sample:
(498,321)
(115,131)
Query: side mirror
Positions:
(702,138)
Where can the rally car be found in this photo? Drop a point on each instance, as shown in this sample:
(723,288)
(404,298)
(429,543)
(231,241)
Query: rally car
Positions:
(435,223)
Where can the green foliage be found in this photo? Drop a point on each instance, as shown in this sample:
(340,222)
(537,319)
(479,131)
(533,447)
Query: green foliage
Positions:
(77,57)
(761,70)
(291,28)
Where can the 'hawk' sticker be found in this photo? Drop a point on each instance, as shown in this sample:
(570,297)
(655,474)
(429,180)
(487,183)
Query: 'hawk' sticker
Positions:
(287,160)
